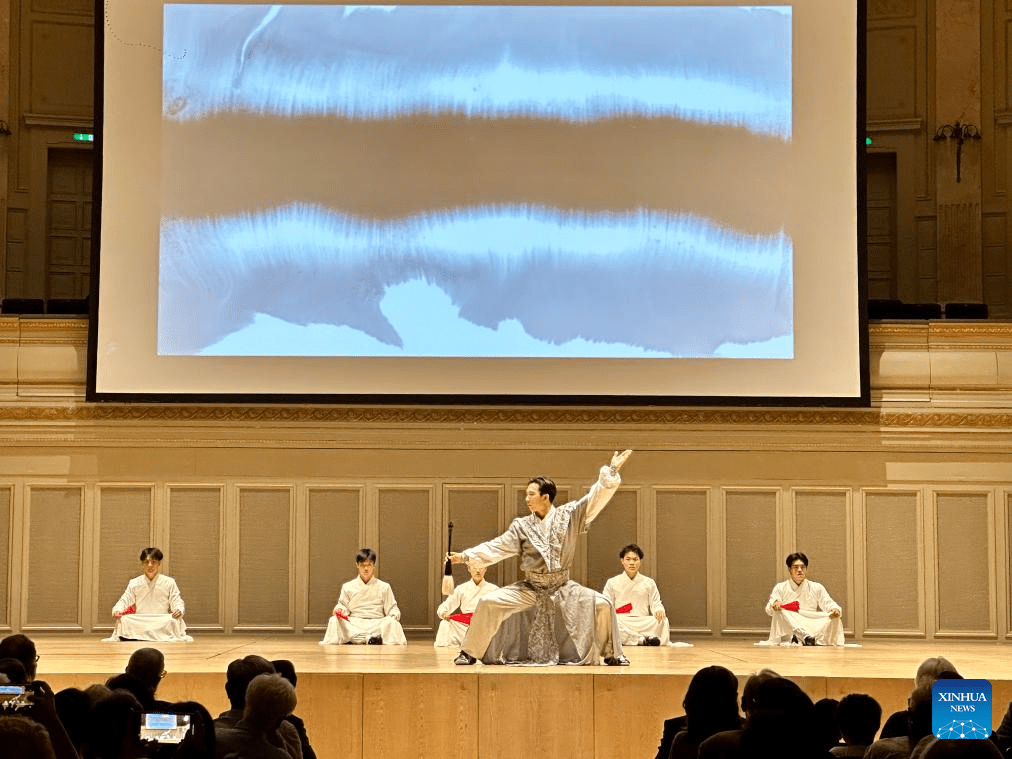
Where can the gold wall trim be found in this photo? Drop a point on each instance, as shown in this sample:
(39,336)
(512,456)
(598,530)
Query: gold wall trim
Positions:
(492,417)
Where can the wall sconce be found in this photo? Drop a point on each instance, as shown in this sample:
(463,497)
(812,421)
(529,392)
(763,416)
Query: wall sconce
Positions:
(960,133)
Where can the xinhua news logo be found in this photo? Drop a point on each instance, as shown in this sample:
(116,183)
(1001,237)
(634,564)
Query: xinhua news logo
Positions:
(961,709)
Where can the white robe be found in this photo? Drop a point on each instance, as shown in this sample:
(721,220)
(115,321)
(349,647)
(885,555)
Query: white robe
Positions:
(812,619)
(639,623)
(155,601)
(464,597)
(371,610)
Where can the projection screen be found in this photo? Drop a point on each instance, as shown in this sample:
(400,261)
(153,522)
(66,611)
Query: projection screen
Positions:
(620,203)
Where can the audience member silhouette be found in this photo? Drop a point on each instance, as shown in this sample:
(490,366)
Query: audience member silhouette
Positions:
(24,738)
(918,726)
(728,742)
(858,716)
(287,670)
(240,673)
(269,699)
(72,707)
(827,732)
(711,706)
(928,671)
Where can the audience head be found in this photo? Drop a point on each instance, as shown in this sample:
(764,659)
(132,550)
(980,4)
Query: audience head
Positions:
(269,699)
(148,666)
(114,729)
(779,706)
(14,671)
(930,669)
(287,670)
(827,732)
(859,717)
(919,713)
(133,686)
(25,738)
(72,707)
(711,702)
(753,682)
(22,648)
(545,487)
(239,674)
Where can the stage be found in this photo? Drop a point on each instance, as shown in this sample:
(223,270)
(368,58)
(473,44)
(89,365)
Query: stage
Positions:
(412,701)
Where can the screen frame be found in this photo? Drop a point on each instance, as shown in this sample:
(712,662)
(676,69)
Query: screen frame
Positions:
(861,399)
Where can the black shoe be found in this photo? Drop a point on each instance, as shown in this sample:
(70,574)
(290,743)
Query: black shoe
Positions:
(616,661)
(651,640)
(464,658)
(809,641)
(794,639)
(375,640)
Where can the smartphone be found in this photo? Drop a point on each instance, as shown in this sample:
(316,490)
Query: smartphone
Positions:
(164,728)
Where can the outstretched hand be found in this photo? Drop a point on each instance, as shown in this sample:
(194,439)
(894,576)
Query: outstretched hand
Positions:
(618,459)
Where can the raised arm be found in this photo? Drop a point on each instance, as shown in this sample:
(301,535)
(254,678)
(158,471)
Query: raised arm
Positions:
(608,480)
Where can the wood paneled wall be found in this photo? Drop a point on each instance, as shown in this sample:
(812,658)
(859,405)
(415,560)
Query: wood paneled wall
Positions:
(913,562)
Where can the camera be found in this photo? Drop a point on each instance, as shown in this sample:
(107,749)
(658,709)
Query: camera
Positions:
(160,727)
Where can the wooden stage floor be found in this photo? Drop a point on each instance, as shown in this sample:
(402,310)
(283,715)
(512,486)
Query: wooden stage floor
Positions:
(412,701)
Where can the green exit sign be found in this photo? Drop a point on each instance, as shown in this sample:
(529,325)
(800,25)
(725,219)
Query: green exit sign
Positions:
(83,137)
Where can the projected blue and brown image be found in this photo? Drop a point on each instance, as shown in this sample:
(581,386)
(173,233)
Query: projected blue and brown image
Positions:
(476,181)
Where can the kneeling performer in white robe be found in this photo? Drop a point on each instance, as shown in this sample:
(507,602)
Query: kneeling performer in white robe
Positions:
(151,607)
(463,598)
(366,610)
(802,610)
(641,616)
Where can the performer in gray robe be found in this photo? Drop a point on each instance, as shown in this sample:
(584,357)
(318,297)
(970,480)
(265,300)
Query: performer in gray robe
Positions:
(546,618)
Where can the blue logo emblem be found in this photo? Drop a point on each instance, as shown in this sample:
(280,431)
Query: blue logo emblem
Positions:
(961,709)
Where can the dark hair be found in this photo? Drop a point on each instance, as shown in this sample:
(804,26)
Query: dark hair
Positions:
(797,556)
(22,648)
(859,716)
(545,487)
(749,689)
(200,742)
(239,674)
(152,553)
(113,719)
(133,686)
(72,707)
(287,670)
(146,664)
(711,702)
(14,669)
(365,554)
(631,547)
(25,738)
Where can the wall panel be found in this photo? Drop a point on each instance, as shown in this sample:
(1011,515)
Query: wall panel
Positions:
(962,538)
(682,575)
(893,550)
(822,532)
(55,517)
(750,547)
(124,530)
(6,519)
(195,519)
(264,557)
(475,515)
(406,559)
(614,527)
(334,539)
